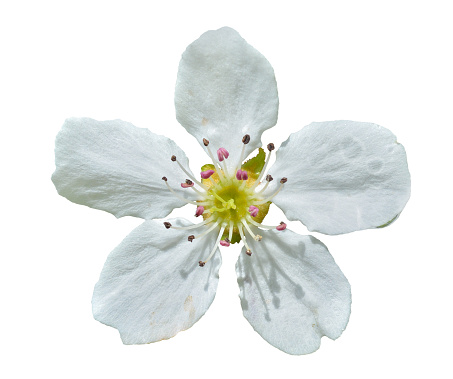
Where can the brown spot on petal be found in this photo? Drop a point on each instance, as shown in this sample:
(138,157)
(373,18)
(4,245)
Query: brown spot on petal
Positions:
(204,121)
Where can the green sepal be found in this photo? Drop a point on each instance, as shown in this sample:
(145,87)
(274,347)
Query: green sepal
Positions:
(207,167)
(255,165)
(235,238)
(388,222)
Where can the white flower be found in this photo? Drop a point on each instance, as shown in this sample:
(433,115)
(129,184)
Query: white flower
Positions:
(335,177)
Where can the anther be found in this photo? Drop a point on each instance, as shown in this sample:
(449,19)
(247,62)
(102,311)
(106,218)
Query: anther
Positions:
(270,147)
(225,242)
(246,139)
(201,263)
(222,154)
(283,180)
(253,211)
(207,174)
(191,238)
(187,184)
(173,158)
(205,142)
(269,178)
(164,178)
(282,226)
(199,211)
(258,237)
(242,175)
(167,224)
(248,252)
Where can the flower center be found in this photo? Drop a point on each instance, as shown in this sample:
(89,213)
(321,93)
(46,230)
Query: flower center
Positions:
(230,202)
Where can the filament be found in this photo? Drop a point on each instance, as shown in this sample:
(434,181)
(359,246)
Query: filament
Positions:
(262,171)
(191,176)
(183,198)
(207,231)
(271,196)
(219,237)
(230,231)
(207,221)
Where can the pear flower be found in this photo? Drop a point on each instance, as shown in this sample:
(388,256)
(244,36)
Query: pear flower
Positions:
(335,177)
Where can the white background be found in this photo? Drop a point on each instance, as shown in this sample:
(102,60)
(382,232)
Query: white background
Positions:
(383,62)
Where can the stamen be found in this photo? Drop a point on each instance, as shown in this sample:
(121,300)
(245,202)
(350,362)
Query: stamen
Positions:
(225,242)
(244,240)
(207,174)
(222,154)
(253,211)
(188,183)
(199,211)
(216,164)
(269,179)
(269,227)
(173,158)
(167,224)
(242,175)
(281,227)
(207,231)
(245,141)
(255,237)
(207,221)
(282,181)
(181,197)
(215,246)
(230,231)
(270,147)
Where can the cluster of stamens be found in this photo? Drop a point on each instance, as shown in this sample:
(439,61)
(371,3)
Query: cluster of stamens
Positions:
(228,202)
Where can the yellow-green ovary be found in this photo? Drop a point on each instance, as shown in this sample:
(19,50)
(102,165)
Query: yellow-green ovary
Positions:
(241,200)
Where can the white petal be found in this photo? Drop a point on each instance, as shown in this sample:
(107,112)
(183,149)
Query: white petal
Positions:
(225,89)
(292,291)
(151,286)
(117,167)
(342,176)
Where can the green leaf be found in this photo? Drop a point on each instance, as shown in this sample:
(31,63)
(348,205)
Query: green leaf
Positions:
(255,164)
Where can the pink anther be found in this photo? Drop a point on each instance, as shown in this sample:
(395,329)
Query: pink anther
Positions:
(242,175)
(199,211)
(207,174)
(282,226)
(222,154)
(187,184)
(253,211)
(225,242)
